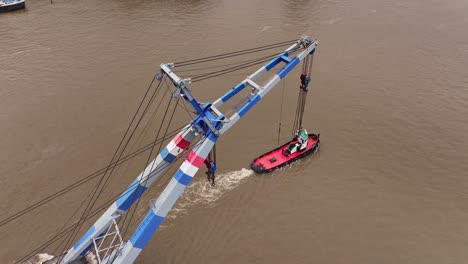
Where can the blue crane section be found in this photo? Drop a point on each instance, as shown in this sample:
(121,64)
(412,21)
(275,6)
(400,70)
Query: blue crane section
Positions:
(208,124)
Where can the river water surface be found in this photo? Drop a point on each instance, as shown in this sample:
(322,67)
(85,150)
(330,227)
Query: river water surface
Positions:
(389,95)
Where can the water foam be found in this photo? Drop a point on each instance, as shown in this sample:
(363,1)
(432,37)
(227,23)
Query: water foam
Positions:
(199,192)
(202,193)
(39,259)
(44,258)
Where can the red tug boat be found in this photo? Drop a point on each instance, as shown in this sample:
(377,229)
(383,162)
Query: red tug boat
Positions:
(285,154)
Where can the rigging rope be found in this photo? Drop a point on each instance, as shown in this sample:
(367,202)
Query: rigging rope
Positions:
(115,162)
(96,173)
(299,110)
(214,155)
(281,111)
(247,63)
(202,77)
(152,148)
(232,54)
(227,64)
(102,207)
(227,70)
(83,180)
(100,186)
(144,131)
(301,100)
(150,155)
(64,225)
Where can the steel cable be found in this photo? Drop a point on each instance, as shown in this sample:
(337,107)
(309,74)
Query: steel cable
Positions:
(131,188)
(232,54)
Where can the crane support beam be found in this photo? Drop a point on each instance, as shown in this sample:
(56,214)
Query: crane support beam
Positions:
(151,173)
(263,90)
(304,42)
(209,123)
(159,209)
(181,85)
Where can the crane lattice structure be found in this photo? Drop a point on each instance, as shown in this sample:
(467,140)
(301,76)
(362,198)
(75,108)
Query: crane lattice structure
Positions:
(209,124)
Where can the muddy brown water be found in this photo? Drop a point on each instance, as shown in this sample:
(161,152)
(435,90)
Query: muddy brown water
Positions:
(389,96)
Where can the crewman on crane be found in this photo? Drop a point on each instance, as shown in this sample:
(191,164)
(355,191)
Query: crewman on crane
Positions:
(211,169)
(304,82)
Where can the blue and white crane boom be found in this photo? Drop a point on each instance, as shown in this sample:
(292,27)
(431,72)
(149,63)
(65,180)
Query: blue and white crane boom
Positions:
(210,124)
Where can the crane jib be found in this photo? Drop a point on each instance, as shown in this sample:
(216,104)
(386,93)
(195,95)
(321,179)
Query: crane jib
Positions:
(210,124)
